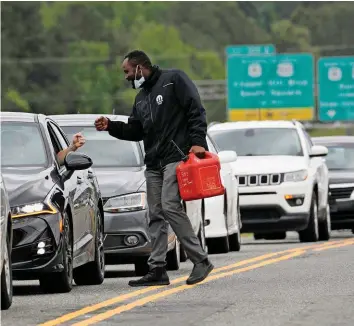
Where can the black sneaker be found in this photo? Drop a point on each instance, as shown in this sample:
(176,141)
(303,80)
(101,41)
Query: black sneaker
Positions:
(157,276)
(200,272)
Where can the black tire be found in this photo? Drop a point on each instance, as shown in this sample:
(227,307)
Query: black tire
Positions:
(235,241)
(201,237)
(6,279)
(92,273)
(311,233)
(183,254)
(275,236)
(141,267)
(325,226)
(218,245)
(258,236)
(173,258)
(61,282)
(353,230)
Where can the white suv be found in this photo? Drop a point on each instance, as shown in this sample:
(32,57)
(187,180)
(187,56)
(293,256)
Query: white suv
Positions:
(283,178)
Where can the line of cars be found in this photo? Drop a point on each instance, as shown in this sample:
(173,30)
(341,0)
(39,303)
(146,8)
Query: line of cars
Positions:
(288,181)
(69,219)
(62,223)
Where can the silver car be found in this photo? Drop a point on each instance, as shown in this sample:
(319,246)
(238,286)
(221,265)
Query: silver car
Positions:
(6,248)
(119,166)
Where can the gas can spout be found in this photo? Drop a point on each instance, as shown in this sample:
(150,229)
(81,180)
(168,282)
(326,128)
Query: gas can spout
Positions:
(184,157)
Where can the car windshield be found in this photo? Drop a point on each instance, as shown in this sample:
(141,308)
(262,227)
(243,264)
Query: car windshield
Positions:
(259,141)
(340,156)
(22,145)
(105,150)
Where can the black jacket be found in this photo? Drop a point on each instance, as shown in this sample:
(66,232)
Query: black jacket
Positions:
(168,107)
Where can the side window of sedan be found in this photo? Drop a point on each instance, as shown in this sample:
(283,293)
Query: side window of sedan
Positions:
(55,142)
(60,136)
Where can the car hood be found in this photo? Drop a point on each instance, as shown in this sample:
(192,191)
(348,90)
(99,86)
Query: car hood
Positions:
(268,164)
(27,185)
(341,176)
(120,181)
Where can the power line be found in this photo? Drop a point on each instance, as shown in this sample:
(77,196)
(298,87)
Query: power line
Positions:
(194,55)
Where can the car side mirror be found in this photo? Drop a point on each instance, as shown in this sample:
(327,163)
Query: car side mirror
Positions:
(318,151)
(77,161)
(227,156)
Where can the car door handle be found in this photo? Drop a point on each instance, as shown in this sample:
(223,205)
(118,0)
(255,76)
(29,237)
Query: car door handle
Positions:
(90,175)
(79,180)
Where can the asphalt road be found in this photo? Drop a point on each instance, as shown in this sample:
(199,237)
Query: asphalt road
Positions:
(267,283)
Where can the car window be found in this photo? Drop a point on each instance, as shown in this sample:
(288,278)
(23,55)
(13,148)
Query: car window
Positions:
(22,144)
(55,142)
(105,150)
(308,140)
(259,141)
(211,147)
(340,156)
(61,138)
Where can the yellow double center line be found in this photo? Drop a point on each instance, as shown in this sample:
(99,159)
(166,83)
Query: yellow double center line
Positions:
(217,273)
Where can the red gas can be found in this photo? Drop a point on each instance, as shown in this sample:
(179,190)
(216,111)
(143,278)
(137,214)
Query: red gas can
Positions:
(199,178)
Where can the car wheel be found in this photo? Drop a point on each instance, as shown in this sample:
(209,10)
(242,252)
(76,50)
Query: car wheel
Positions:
(235,241)
(218,245)
(275,236)
(258,236)
(311,233)
(6,279)
(353,230)
(183,254)
(173,257)
(325,226)
(201,237)
(92,273)
(141,267)
(61,282)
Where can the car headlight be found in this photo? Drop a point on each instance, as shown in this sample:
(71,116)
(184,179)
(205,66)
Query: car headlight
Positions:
(295,176)
(33,209)
(126,203)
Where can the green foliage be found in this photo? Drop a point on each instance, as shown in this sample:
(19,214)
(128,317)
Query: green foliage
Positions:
(65,57)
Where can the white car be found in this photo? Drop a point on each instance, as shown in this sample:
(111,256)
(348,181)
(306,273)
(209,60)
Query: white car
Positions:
(282,178)
(222,218)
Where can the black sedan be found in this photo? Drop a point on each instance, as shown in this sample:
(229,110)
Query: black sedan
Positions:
(56,208)
(340,163)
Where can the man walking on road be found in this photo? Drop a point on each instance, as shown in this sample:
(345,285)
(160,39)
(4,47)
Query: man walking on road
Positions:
(167,108)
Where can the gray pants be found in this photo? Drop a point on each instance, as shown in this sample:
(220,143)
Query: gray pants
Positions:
(164,203)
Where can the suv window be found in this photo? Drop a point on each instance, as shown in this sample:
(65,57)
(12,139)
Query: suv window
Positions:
(308,140)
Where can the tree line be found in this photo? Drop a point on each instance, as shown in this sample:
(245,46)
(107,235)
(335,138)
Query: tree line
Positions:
(65,57)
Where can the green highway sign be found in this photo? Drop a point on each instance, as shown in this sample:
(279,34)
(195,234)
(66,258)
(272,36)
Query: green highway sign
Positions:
(275,87)
(257,49)
(336,88)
